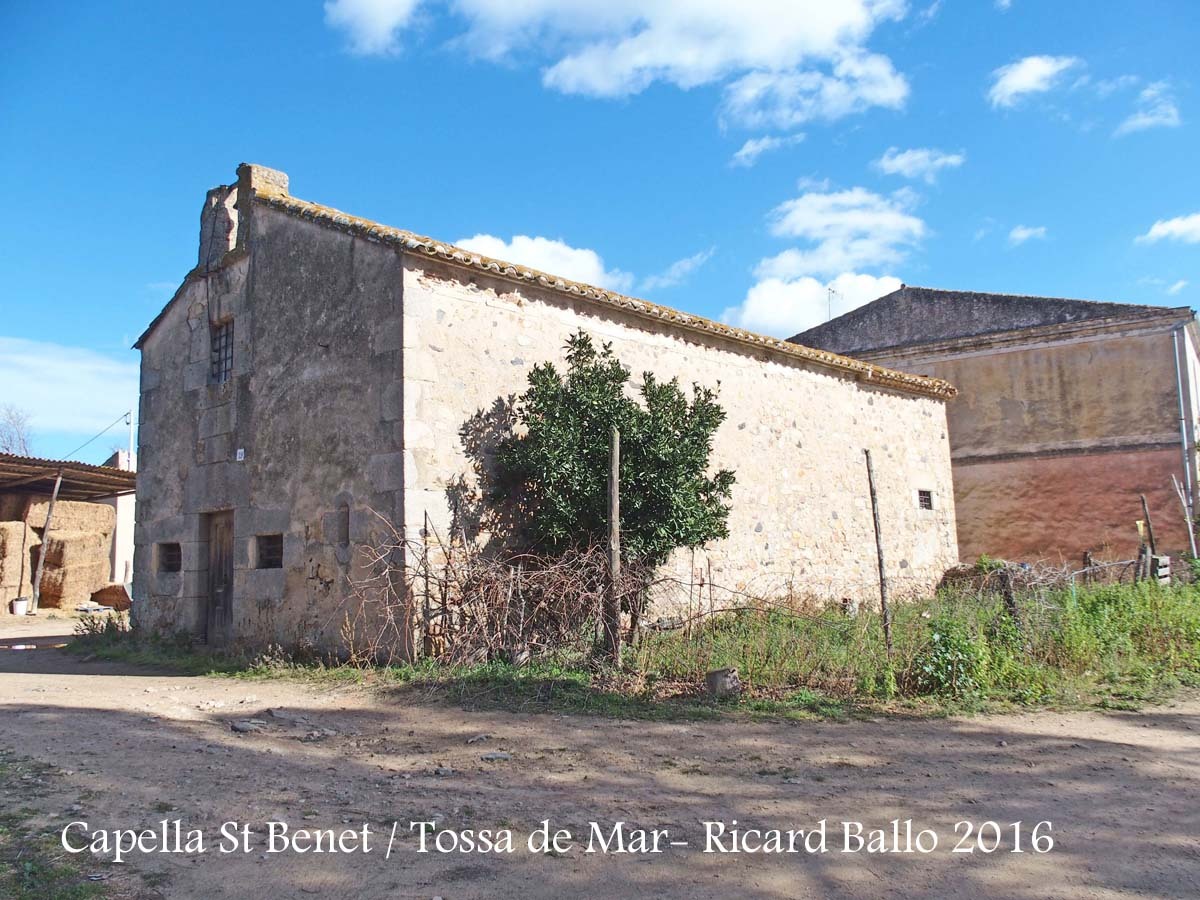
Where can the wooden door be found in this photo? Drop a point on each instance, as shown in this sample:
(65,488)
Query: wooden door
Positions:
(220,578)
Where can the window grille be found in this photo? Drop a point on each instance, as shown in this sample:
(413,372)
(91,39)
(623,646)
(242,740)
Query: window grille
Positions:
(221,355)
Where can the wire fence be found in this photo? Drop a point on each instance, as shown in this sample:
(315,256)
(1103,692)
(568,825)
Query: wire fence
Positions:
(447,600)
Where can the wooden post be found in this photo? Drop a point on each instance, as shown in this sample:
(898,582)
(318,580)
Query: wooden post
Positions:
(1088,562)
(885,609)
(612,602)
(37,577)
(1010,597)
(1149,527)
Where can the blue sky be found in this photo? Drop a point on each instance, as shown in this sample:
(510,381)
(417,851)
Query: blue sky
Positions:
(733,160)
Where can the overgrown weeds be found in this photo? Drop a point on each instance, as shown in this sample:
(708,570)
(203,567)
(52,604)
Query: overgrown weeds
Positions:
(1115,646)
(1070,645)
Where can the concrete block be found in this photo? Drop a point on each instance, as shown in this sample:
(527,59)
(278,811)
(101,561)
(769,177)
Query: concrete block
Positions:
(259,583)
(216,420)
(386,335)
(168,584)
(195,374)
(217,449)
(391,404)
(385,471)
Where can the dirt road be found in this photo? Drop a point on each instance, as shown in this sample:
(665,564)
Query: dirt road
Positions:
(134,747)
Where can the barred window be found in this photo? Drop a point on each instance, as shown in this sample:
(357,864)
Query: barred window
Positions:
(221,354)
(170,559)
(925,499)
(269,551)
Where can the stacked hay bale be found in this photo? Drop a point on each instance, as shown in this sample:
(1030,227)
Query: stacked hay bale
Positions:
(17,543)
(76,549)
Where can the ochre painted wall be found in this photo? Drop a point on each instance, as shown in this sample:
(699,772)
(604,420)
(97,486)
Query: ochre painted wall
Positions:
(1120,389)
(1055,508)
(1053,442)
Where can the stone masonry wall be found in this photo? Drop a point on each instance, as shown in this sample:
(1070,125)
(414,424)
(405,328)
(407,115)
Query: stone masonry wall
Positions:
(356,365)
(801,517)
(312,406)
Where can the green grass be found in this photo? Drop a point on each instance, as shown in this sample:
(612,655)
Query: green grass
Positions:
(1096,645)
(1113,647)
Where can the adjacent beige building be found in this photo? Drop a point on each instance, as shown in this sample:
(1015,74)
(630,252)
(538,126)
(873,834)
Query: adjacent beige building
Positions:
(316,367)
(1067,411)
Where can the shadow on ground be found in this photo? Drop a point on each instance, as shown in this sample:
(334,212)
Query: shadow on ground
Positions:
(1120,790)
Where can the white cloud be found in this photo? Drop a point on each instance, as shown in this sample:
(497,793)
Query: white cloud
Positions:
(804,58)
(1106,87)
(755,147)
(1004,5)
(551,256)
(921,162)
(1155,109)
(69,390)
(1180,228)
(678,272)
(929,13)
(1022,233)
(785,99)
(848,230)
(1177,287)
(1031,75)
(785,307)
(372,24)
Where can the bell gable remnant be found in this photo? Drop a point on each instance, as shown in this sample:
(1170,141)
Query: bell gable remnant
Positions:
(317,371)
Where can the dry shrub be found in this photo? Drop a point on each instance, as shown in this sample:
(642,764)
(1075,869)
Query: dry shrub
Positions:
(452,602)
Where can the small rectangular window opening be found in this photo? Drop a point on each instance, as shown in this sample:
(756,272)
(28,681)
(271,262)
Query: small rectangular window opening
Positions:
(221,353)
(269,551)
(170,558)
(925,499)
(343,524)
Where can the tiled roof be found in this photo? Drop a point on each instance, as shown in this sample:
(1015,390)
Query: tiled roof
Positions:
(415,243)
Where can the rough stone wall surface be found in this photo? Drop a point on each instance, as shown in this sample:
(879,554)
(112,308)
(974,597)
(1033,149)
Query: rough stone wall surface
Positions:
(184,449)
(795,434)
(313,406)
(353,377)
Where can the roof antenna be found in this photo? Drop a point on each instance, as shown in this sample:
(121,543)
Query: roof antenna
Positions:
(831,294)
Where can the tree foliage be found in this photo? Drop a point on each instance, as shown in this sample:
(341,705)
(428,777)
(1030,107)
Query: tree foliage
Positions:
(556,462)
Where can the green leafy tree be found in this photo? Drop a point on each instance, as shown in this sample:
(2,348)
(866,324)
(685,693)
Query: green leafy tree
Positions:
(555,463)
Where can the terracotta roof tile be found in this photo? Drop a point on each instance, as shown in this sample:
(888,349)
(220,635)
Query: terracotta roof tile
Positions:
(415,243)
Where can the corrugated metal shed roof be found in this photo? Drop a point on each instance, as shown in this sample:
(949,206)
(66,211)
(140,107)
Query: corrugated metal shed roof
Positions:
(80,481)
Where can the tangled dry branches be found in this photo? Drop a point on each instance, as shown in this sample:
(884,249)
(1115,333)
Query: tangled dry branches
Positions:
(452,602)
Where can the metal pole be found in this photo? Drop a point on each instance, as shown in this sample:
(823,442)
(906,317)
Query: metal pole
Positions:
(1183,436)
(1191,529)
(883,582)
(37,578)
(612,605)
